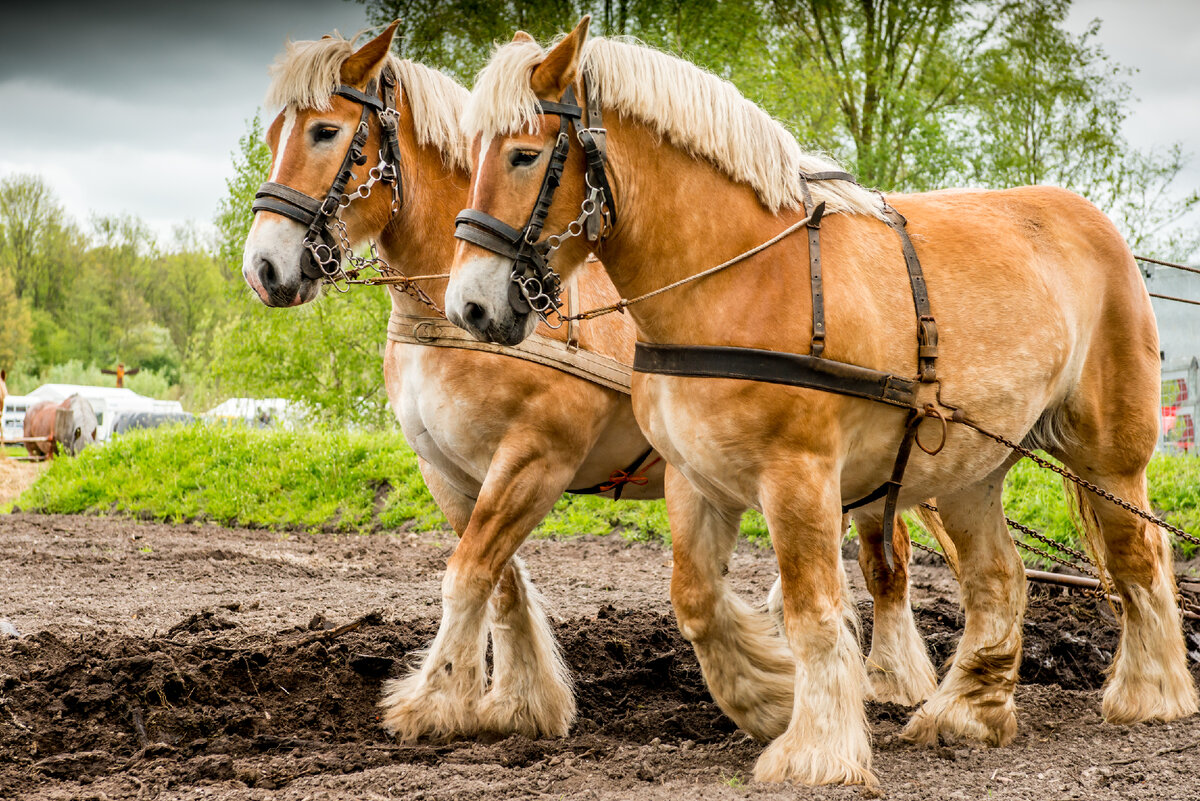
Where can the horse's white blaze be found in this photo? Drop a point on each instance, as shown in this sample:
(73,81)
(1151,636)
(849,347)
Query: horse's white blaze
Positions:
(285,134)
(484,145)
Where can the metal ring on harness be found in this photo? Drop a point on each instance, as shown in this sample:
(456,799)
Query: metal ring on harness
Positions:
(932,411)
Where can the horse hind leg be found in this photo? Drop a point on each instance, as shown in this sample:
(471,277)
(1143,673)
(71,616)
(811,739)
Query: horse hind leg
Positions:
(1149,679)
(975,698)
(746,664)
(899,670)
(531,690)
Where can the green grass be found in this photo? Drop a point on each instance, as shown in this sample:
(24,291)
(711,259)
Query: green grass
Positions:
(328,480)
(310,480)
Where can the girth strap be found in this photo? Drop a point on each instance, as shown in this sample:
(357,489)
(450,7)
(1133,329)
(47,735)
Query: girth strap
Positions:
(775,367)
(890,489)
(607,484)
(441,333)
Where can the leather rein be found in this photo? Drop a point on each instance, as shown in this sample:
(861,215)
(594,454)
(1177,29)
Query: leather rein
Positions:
(536,286)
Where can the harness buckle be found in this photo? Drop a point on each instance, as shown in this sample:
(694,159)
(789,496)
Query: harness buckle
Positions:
(927,348)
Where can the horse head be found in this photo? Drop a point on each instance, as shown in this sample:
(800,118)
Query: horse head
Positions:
(338,108)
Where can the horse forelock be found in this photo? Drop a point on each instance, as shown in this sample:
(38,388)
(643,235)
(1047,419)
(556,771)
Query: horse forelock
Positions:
(695,110)
(306,73)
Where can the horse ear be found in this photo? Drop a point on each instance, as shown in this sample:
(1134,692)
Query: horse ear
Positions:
(521,36)
(552,77)
(369,58)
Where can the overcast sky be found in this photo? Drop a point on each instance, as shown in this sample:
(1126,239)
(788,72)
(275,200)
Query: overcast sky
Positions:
(136,107)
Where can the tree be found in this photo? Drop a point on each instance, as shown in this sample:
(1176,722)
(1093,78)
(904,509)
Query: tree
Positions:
(327,354)
(458,35)
(38,245)
(912,95)
(16,323)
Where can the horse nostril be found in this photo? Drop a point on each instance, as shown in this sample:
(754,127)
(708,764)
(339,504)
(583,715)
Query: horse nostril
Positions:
(476,316)
(267,275)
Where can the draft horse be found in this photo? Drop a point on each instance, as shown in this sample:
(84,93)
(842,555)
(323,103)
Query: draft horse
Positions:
(1046,337)
(499,438)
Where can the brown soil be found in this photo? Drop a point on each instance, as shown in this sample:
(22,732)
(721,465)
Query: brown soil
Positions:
(198,662)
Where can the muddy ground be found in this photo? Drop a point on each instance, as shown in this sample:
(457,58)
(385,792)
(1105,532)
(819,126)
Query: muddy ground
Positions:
(196,662)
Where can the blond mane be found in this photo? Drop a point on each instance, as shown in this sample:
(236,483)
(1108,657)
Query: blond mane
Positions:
(693,109)
(306,73)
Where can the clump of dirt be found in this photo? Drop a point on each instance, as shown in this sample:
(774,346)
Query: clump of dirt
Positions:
(91,706)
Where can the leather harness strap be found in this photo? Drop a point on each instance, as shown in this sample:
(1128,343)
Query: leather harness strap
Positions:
(814,371)
(814,267)
(775,367)
(439,332)
(616,484)
(927,335)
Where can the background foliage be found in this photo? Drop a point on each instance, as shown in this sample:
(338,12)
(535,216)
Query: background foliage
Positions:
(331,479)
(910,95)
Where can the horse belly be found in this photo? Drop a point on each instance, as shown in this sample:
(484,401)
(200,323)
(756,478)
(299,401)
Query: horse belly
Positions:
(706,432)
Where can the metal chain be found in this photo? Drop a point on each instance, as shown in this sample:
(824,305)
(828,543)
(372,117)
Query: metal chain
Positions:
(322,254)
(1014,525)
(1037,535)
(1082,482)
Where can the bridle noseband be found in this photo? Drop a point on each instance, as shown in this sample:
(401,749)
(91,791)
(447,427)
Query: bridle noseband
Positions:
(535,285)
(322,216)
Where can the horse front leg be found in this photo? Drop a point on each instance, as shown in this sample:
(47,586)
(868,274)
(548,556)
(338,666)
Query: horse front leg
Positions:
(826,739)
(444,695)
(746,664)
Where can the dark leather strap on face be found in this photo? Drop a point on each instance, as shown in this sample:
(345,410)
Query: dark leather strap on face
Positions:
(567,108)
(350,93)
(284,200)
(488,232)
(528,254)
(775,367)
(307,210)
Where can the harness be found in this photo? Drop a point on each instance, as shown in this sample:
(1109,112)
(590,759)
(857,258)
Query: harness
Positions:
(321,215)
(535,286)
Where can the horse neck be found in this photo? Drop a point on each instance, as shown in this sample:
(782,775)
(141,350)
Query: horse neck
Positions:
(668,230)
(420,239)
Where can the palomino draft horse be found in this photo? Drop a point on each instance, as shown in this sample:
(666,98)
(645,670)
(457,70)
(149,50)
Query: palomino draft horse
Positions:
(1046,337)
(499,438)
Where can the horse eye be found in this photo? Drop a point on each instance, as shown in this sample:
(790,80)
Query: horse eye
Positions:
(325,133)
(523,158)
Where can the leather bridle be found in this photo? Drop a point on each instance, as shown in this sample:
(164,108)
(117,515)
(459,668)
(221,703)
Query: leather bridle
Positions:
(535,285)
(324,249)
